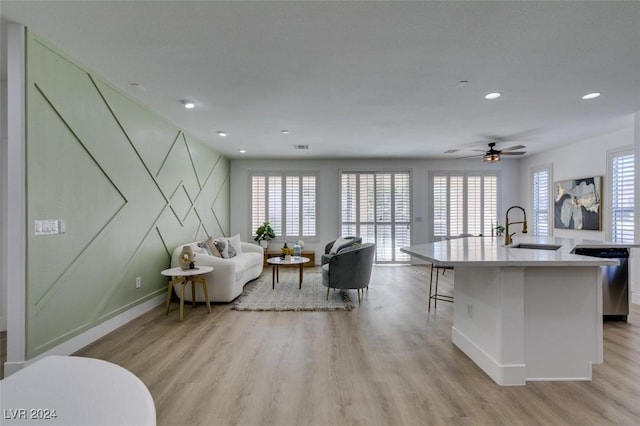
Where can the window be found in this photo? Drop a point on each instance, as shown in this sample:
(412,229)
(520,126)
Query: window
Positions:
(622,173)
(377,207)
(287,201)
(463,203)
(541,181)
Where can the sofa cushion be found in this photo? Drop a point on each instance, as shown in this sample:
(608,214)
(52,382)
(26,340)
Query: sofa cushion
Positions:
(339,243)
(210,242)
(353,246)
(226,250)
(235,243)
(245,261)
(205,248)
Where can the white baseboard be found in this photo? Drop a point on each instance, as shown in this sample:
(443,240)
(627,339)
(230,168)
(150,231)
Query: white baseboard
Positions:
(80,341)
(504,375)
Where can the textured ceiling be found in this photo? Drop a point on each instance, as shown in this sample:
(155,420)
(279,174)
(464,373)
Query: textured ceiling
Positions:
(365,79)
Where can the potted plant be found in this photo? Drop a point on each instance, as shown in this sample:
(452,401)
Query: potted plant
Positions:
(264,234)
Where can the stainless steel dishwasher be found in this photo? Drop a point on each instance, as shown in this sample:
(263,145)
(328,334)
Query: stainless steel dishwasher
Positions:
(615,281)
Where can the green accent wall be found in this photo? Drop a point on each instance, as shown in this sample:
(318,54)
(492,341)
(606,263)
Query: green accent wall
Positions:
(129,185)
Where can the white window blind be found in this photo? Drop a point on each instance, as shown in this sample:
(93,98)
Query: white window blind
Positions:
(622,166)
(541,181)
(463,203)
(377,207)
(287,201)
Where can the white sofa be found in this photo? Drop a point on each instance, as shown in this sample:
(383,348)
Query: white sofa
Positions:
(228,277)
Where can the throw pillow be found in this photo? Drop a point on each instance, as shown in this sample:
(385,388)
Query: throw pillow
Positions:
(339,242)
(205,247)
(225,248)
(212,247)
(235,243)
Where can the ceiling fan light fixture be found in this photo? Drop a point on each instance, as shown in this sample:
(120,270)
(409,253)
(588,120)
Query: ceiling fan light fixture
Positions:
(491,157)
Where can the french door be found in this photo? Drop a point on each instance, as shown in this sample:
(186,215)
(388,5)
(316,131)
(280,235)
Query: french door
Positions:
(377,207)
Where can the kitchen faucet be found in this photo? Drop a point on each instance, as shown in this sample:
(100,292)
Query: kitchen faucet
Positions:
(507,237)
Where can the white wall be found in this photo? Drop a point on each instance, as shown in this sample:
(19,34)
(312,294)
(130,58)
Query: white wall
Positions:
(578,160)
(14,200)
(328,202)
(583,159)
(3,145)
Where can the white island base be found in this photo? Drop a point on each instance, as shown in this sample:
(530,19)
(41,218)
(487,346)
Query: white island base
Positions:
(521,323)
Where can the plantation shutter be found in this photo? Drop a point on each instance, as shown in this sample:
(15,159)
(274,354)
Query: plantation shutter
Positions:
(541,204)
(622,198)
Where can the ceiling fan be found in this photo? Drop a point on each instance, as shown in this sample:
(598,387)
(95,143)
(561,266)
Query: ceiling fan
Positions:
(494,155)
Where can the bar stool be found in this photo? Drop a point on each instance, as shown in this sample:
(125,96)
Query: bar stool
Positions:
(435,296)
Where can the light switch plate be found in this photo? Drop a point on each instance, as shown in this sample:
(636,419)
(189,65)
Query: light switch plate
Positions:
(49,227)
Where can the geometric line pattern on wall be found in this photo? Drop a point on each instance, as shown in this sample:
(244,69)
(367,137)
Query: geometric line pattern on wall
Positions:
(82,159)
(130,186)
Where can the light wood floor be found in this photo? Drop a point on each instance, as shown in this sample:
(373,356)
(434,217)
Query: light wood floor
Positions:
(387,362)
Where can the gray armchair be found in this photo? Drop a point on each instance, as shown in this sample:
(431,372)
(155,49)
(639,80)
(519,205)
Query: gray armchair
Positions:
(329,252)
(349,269)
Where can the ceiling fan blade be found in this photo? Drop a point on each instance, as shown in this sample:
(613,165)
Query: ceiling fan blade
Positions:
(470,156)
(512,137)
(513,153)
(513,148)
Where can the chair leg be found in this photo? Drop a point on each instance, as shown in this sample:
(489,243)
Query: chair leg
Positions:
(435,299)
(430,284)
(435,295)
(359,298)
(328,288)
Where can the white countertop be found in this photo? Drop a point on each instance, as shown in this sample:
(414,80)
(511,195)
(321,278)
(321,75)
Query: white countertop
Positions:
(491,251)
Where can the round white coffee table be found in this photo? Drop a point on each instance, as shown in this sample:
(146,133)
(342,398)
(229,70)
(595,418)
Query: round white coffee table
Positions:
(276,262)
(71,390)
(181,277)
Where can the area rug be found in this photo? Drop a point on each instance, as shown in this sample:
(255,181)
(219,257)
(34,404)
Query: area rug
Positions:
(258,296)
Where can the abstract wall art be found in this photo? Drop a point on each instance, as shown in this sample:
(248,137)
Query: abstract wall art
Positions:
(578,204)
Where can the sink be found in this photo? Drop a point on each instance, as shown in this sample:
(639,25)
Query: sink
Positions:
(536,246)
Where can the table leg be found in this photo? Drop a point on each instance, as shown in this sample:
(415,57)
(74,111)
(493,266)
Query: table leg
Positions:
(273,277)
(193,292)
(300,277)
(184,284)
(203,281)
(173,282)
(169,295)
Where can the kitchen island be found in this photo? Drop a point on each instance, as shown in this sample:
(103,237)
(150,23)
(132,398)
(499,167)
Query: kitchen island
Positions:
(528,311)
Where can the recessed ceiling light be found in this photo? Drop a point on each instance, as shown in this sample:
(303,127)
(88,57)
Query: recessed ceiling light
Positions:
(462,83)
(284,132)
(591,95)
(187,104)
(242,151)
(493,95)
(222,133)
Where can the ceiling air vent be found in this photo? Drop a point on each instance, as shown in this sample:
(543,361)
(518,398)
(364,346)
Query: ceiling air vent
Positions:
(301,147)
